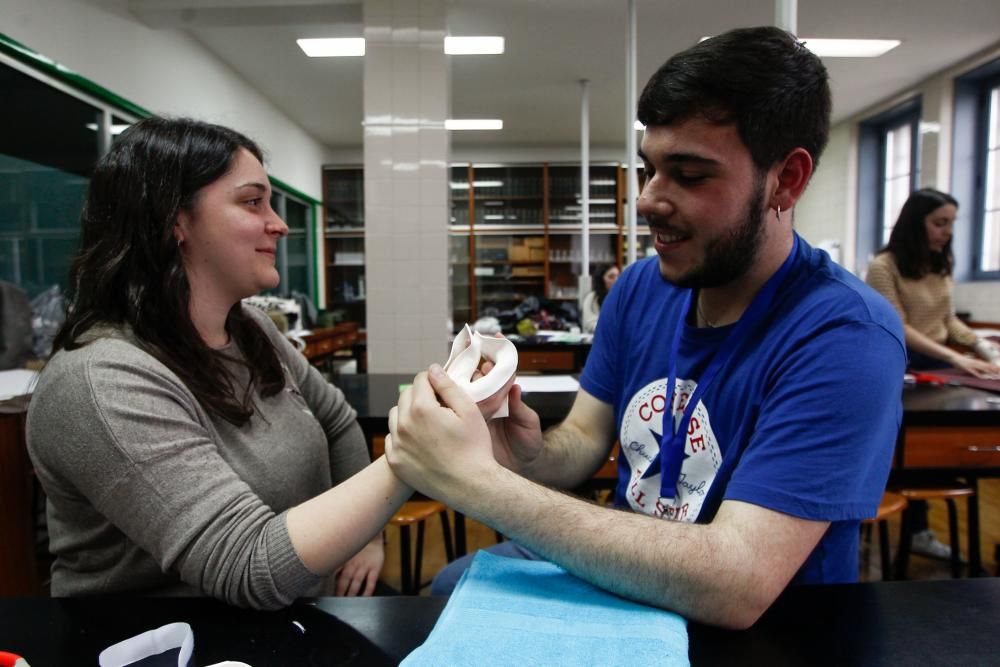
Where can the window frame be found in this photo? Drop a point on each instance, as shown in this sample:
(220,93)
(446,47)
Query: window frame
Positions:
(981,191)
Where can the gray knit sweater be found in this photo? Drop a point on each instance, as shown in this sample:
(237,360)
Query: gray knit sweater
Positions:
(148,493)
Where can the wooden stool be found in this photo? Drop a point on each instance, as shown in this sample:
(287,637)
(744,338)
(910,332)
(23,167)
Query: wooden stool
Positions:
(948,493)
(890,505)
(417,512)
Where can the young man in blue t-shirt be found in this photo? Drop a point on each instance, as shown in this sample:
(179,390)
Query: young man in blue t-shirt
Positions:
(754,385)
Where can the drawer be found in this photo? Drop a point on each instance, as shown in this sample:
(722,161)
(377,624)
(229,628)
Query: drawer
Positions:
(545,361)
(952,447)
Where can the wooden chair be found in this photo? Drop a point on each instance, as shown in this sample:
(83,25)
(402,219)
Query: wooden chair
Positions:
(890,505)
(415,512)
(931,491)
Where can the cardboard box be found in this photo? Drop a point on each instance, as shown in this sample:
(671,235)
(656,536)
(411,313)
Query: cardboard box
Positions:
(534,241)
(518,253)
(536,254)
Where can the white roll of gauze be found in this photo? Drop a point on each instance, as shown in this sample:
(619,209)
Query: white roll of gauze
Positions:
(467,353)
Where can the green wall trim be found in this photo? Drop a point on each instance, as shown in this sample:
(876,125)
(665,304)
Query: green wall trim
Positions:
(25,55)
(298,194)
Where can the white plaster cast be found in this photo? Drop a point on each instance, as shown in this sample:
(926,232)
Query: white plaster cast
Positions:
(468,351)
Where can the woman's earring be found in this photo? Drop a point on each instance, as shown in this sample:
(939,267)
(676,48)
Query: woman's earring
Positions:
(779,213)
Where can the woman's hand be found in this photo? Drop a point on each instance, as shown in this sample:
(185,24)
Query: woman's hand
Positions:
(359,574)
(976,367)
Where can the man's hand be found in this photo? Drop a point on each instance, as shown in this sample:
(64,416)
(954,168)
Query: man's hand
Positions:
(359,574)
(435,446)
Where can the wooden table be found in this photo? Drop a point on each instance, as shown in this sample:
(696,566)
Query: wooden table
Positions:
(949,622)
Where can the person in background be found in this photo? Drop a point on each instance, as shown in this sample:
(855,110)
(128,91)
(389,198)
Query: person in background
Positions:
(603,278)
(913,272)
(755,386)
(184,446)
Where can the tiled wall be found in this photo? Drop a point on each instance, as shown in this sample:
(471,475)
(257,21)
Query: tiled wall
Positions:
(406,189)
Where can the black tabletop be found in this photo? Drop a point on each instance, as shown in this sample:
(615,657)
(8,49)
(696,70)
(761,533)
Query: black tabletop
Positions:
(373,395)
(894,623)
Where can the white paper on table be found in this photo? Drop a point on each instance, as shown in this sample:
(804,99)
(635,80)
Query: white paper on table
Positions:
(154,642)
(548,383)
(17,382)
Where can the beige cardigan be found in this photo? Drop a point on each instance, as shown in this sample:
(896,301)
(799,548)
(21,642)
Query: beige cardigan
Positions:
(924,304)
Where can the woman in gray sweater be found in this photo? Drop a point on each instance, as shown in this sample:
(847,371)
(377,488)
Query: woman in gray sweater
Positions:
(184,446)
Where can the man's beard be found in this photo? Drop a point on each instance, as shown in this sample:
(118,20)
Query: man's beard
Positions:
(730,256)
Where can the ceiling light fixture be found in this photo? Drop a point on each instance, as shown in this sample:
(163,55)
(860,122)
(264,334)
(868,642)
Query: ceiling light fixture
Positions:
(334,47)
(473,124)
(849,48)
(846,48)
(466,46)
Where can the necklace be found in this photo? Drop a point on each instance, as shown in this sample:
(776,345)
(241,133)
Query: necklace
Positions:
(701,314)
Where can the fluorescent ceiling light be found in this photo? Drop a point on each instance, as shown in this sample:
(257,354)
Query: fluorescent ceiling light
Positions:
(846,48)
(332,47)
(473,124)
(850,48)
(464,46)
(115,129)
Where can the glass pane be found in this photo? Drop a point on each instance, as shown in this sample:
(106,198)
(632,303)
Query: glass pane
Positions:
(506,196)
(898,151)
(565,196)
(344,199)
(298,265)
(991,242)
(296,215)
(48,146)
(896,192)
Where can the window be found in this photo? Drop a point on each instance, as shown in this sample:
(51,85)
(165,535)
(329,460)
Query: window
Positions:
(50,138)
(294,259)
(989,210)
(888,171)
(976,173)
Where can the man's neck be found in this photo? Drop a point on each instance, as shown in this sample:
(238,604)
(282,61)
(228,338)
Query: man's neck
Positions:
(725,304)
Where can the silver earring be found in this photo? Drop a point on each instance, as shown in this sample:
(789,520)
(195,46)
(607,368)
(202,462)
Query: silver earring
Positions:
(779,213)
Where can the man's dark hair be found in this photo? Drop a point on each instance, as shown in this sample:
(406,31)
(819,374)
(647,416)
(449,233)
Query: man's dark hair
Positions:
(908,241)
(762,79)
(129,269)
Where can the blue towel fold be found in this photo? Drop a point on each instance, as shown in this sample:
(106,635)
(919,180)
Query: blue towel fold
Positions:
(507,611)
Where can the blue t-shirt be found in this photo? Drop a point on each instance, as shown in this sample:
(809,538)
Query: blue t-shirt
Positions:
(802,419)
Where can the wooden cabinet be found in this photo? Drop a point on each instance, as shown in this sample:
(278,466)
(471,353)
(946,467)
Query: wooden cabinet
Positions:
(324,343)
(951,447)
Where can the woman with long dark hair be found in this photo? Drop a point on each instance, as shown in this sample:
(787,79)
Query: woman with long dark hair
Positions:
(185,447)
(913,272)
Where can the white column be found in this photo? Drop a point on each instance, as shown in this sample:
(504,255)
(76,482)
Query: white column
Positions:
(583,280)
(406,100)
(631,103)
(786,15)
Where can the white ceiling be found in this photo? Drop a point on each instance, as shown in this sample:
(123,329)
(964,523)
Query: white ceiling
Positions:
(551,45)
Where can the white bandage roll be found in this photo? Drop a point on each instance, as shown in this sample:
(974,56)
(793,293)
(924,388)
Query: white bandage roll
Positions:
(468,351)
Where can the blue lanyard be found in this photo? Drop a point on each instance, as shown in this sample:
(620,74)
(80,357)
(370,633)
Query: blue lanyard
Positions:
(673,442)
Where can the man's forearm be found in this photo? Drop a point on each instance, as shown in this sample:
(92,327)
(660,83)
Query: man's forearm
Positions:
(700,571)
(568,458)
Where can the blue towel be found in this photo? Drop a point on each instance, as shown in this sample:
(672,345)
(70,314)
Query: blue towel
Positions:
(508,611)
